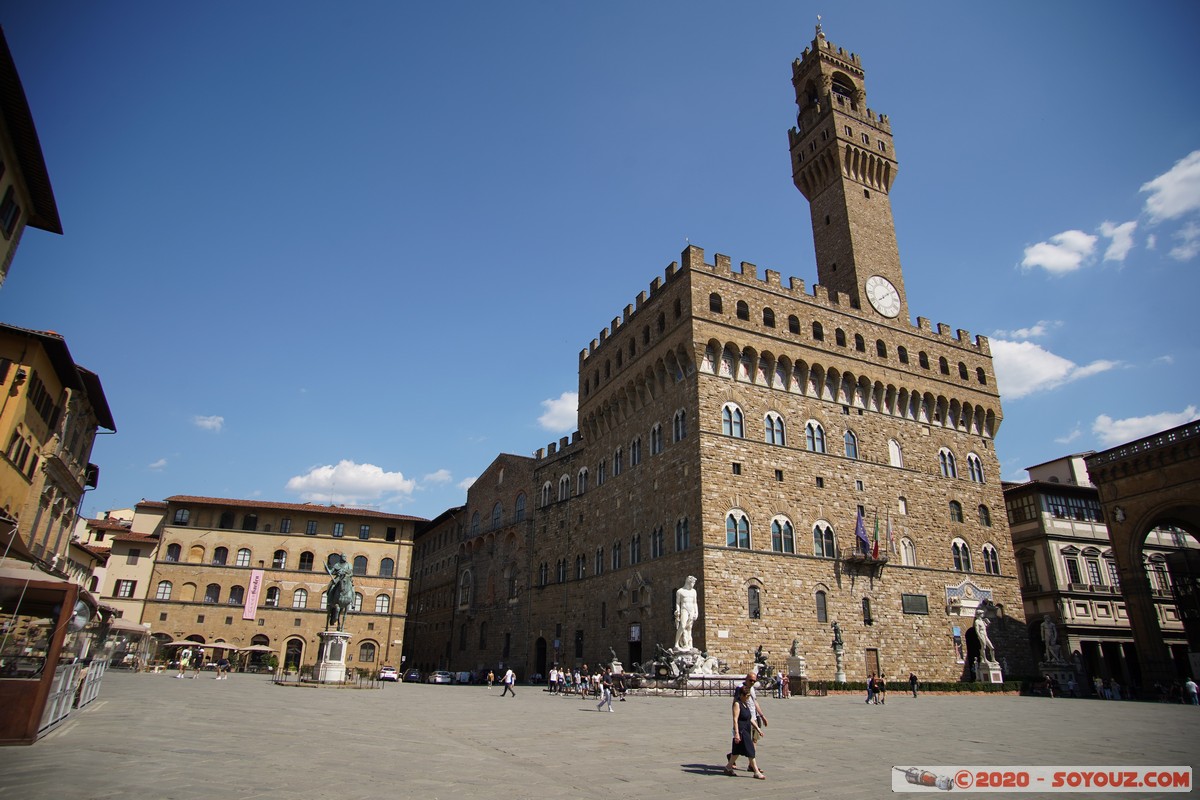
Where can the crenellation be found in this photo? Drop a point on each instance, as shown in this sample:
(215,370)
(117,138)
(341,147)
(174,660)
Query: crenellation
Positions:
(796,286)
(924,324)
(748,271)
(773,279)
(672,270)
(641,300)
(627,314)
(723,264)
(964,336)
(943,329)
(655,285)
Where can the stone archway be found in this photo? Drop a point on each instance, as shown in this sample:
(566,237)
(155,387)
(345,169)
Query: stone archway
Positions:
(1145,484)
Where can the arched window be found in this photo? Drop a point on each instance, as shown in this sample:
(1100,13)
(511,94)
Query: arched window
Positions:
(985,516)
(975,468)
(226,520)
(923,359)
(962,555)
(182,515)
(464,590)
(714,303)
(616,555)
(753,603)
(908,552)
(793,324)
(851,442)
(272,600)
(580,568)
(947,464)
(991,560)
(357,607)
(383,604)
(173,552)
(814,437)
(497,515)
(306,561)
(279,560)
(743,310)
(543,574)
(783,538)
(819,601)
(860,344)
(212,593)
(962,371)
(635,451)
(196,554)
(237,595)
(164,591)
(956,514)
(731,421)
(818,332)
(300,598)
(519,514)
(475,524)
(895,453)
(682,538)
(943,366)
(866,608)
(880,348)
(902,354)
(981,376)
(360,565)
(598,566)
(547,489)
(564,487)
(839,337)
(768,318)
(366,652)
(220,556)
(824,545)
(387,568)
(635,549)
(737,530)
(774,428)
(679,426)
(656,439)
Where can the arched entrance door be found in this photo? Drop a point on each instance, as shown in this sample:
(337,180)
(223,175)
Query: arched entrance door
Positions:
(293,655)
(539,656)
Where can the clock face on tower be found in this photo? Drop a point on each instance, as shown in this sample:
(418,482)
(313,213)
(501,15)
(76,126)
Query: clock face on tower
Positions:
(883,296)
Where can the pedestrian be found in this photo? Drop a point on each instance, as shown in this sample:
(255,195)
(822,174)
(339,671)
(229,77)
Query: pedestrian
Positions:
(185,657)
(778,685)
(1190,693)
(745,730)
(197,664)
(509,679)
(606,691)
(870,689)
(912,682)
(491,678)
(881,690)
(578,682)
(222,668)
(755,711)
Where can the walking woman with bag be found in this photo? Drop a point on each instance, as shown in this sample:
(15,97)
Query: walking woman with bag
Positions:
(745,731)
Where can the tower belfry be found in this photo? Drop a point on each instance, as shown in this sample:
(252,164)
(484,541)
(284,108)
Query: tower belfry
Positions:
(843,163)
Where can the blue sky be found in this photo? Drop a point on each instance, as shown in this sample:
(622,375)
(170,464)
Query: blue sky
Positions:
(350,252)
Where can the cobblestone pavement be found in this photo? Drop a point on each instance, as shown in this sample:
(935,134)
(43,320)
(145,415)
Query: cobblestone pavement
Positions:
(152,736)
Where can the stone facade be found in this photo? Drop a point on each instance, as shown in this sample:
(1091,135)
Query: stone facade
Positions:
(733,427)
(210,550)
(431,601)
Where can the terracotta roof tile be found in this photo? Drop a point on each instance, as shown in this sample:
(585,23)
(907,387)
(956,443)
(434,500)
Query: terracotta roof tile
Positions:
(311,508)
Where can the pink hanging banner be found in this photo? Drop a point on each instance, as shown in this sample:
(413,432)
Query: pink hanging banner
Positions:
(250,610)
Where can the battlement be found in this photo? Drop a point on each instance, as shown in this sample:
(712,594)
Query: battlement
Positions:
(563,447)
(692,259)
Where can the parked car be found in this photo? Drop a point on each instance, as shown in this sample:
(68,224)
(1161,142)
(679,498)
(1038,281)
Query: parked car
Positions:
(440,676)
(464,677)
(389,674)
(412,676)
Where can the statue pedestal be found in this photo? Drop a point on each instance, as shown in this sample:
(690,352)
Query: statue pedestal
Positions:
(797,667)
(617,668)
(332,667)
(990,672)
(840,675)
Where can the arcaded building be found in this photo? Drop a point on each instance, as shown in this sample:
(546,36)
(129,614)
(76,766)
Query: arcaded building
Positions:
(735,426)
(250,573)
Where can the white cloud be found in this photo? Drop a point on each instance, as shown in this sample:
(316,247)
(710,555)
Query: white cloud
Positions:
(1189,237)
(1176,192)
(440,476)
(467,483)
(1166,360)
(1121,237)
(1070,437)
(560,415)
(1035,331)
(350,483)
(213,423)
(1065,252)
(1112,432)
(1023,368)
(159,465)
(1151,241)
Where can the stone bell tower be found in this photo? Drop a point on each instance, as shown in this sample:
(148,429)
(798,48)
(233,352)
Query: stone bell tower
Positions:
(844,164)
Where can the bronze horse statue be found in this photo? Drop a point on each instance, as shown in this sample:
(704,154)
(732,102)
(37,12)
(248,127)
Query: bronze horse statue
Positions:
(340,594)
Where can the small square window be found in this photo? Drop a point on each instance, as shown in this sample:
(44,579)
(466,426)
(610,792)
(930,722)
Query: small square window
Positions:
(262,622)
(858,486)
(199,618)
(162,617)
(779,475)
(296,623)
(737,468)
(370,626)
(820,483)
(229,620)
